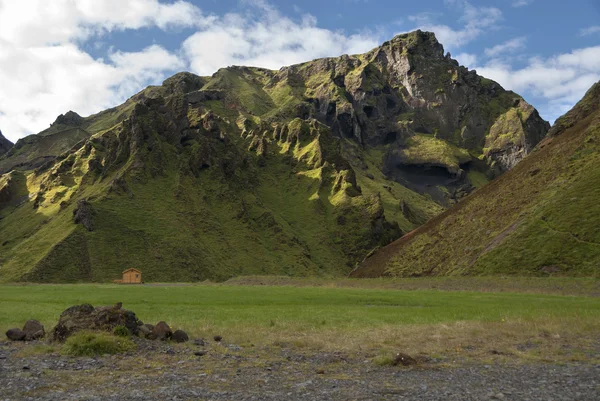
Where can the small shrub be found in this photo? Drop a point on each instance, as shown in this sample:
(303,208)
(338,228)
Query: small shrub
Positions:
(87,343)
(121,331)
(384,360)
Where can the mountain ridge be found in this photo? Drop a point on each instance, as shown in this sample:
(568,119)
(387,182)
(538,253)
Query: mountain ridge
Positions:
(300,171)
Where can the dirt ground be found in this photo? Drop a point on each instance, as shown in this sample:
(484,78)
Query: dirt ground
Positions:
(221,371)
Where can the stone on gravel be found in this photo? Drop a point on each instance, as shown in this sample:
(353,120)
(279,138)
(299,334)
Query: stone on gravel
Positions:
(161,331)
(86,317)
(199,342)
(180,336)
(200,353)
(404,360)
(33,330)
(15,335)
(144,331)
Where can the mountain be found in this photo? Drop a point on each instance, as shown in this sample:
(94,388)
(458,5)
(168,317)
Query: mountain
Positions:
(541,218)
(5,144)
(67,131)
(301,171)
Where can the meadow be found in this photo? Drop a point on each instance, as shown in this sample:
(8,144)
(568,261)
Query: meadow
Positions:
(336,316)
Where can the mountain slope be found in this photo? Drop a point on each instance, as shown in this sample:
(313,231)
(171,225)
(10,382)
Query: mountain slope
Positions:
(301,171)
(540,218)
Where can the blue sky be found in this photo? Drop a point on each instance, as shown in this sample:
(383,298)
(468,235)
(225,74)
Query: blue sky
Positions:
(87,55)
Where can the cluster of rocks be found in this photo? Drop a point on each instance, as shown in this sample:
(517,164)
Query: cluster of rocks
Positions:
(162,331)
(101,318)
(32,330)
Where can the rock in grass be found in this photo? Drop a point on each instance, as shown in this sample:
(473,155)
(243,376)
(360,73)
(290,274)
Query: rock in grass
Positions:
(179,336)
(33,330)
(15,335)
(404,360)
(161,331)
(200,342)
(87,318)
(200,353)
(217,338)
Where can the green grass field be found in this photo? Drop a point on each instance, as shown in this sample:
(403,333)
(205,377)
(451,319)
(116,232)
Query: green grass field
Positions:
(421,321)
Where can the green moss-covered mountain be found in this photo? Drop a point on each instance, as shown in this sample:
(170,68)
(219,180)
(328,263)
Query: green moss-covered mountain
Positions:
(301,171)
(541,218)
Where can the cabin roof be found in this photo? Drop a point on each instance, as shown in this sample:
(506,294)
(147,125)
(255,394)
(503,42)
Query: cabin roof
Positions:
(132,270)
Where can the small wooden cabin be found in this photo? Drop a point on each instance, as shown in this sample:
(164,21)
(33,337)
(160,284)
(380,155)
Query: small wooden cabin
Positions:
(131,276)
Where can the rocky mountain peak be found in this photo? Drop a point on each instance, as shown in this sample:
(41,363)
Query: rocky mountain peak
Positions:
(586,106)
(417,42)
(183,82)
(70,118)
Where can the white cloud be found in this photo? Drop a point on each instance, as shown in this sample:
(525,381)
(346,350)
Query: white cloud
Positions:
(42,22)
(40,83)
(476,20)
(270,41)
(44,70)
(466,59)
(506,47)
(590,30)
(560,81)
(521,3)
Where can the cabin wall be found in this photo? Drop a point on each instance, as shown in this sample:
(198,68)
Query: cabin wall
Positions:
(130,278)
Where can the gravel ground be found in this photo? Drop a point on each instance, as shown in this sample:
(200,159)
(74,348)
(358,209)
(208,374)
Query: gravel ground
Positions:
(159,371)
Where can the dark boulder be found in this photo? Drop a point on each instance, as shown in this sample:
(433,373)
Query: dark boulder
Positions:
(15,335)
(180,336)
(161,331)
(33,330)
(86,317)
(84,214)
(404,360)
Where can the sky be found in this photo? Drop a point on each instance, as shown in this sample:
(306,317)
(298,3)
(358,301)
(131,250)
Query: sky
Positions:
(89,55)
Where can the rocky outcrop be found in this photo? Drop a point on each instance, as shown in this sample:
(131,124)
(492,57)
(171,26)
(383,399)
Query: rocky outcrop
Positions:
(84,214)
(86,317)
(513,135)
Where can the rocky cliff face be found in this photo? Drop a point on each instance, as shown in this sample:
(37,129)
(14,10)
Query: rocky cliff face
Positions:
(301,171)
(5,144)
(433,120)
